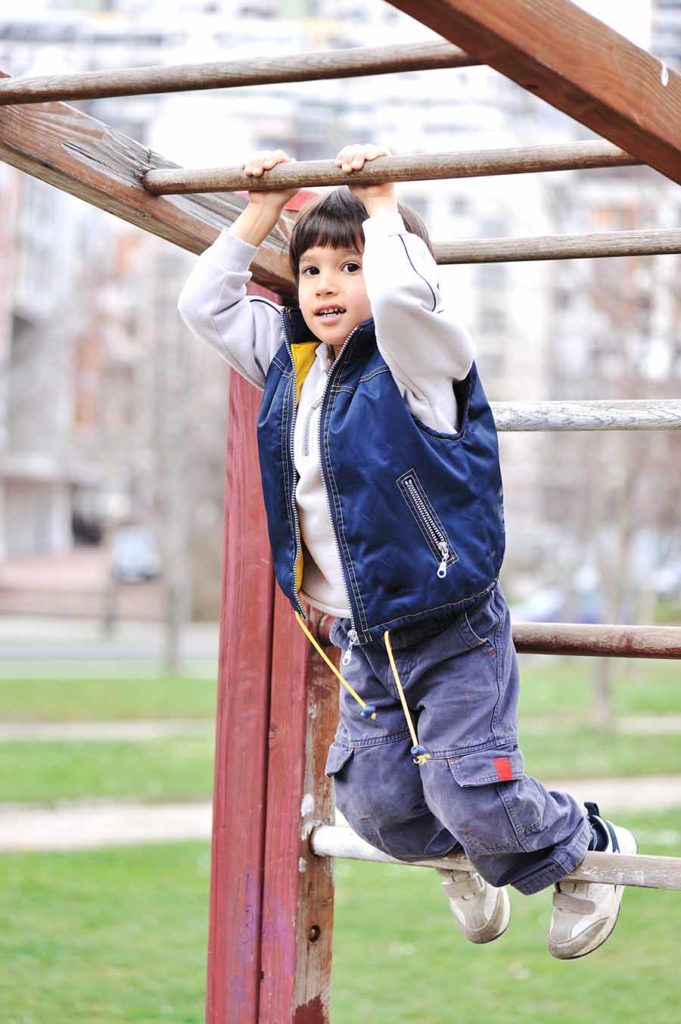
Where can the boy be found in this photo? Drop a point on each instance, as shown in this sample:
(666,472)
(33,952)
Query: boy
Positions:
(383,493)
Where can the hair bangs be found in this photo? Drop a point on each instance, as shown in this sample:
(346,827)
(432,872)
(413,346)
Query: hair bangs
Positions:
(335,221)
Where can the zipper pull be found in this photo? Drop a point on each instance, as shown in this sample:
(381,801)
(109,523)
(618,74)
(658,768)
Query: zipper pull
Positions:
(444,551)
(354,640)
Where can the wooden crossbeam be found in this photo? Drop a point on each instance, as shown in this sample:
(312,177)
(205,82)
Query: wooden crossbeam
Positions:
(601,641)
(299,67)
(606,414)
(423,167)
(104,167)
(572,60)
(560,247)
(612,868)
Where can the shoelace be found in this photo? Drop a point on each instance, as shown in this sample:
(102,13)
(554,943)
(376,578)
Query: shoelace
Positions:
(418,752)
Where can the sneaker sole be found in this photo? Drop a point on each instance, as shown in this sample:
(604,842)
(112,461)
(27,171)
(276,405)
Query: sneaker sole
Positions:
(500,920)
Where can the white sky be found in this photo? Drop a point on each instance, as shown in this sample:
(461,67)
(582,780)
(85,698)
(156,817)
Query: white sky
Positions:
(629,17)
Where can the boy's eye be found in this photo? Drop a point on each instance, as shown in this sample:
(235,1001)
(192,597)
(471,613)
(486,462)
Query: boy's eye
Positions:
(309,271)
(352,267)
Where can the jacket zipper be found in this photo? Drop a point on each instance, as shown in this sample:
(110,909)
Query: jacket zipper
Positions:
(296,521)
(439,541)
(353,635)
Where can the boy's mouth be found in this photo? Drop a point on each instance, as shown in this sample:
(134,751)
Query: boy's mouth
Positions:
(330,313)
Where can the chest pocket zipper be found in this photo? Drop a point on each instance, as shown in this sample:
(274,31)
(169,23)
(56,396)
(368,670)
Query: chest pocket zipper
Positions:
(428,521)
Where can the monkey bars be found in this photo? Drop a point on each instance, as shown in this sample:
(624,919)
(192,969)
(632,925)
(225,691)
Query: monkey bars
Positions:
(270,924)
(424,167)
(560,247)
(609,868)
(300,67)
(572,60)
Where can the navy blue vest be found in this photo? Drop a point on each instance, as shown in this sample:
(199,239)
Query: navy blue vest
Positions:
(417,514)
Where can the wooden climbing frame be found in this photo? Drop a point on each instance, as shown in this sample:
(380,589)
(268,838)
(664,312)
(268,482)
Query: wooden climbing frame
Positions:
(274,840)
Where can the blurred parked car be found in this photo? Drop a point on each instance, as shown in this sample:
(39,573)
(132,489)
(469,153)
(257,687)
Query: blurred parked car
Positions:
(134,555)
(549,604)
(667,580)
(544,605)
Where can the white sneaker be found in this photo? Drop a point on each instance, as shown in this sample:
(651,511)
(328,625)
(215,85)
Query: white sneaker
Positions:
(584,913)
(479,910)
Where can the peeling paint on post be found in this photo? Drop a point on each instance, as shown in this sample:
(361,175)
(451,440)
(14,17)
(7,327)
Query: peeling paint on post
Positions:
(310,1013)
(298,886)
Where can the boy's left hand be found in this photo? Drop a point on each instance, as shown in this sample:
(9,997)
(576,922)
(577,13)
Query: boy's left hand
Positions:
(374,197)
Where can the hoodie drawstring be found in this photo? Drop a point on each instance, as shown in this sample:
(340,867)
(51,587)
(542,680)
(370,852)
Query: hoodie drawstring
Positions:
(368,710)
(418,752)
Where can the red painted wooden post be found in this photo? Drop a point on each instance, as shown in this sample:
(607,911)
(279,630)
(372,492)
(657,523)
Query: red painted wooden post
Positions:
(271,910)
(240,779)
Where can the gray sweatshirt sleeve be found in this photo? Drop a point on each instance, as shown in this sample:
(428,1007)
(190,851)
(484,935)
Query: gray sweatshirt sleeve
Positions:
(245,330)
(423,344)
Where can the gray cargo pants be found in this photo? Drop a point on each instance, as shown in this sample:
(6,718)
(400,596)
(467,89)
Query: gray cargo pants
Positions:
(461,684)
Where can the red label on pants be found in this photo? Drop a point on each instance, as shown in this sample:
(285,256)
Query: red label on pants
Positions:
(503,768)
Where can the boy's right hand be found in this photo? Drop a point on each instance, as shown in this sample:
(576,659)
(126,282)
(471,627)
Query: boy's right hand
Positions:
(254,224)
(262,161)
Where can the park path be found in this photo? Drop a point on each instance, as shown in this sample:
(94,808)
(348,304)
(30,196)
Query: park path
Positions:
(36,732)
(98,823)
(77,732)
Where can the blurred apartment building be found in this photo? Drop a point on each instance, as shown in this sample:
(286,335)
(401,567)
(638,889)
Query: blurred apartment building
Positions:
(666,31)
(109,408)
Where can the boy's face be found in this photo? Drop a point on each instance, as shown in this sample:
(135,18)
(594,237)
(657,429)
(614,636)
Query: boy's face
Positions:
(332,280)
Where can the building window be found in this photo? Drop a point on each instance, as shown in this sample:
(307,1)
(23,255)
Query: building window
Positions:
(491,319)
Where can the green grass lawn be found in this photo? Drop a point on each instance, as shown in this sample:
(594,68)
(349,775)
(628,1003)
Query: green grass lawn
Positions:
(180,768)
(82,700)
(586,753)
(119,935)
(548,684)
(641,686)
(115,936)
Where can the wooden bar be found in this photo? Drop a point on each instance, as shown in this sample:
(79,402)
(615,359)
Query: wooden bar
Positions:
(424,167)
(297,916)
(299,67)
(640,870)
(572,60)
(240,783)
(104,167)
(600,641)
(559,247)
(633,414)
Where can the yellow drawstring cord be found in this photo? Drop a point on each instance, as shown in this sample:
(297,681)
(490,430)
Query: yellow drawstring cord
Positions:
(419,753)
(368,710)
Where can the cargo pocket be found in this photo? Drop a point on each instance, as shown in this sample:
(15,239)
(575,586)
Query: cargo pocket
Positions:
(485,767)
(338,757)
(502,806)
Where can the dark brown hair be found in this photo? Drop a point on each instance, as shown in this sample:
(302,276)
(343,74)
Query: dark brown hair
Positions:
(335,220)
